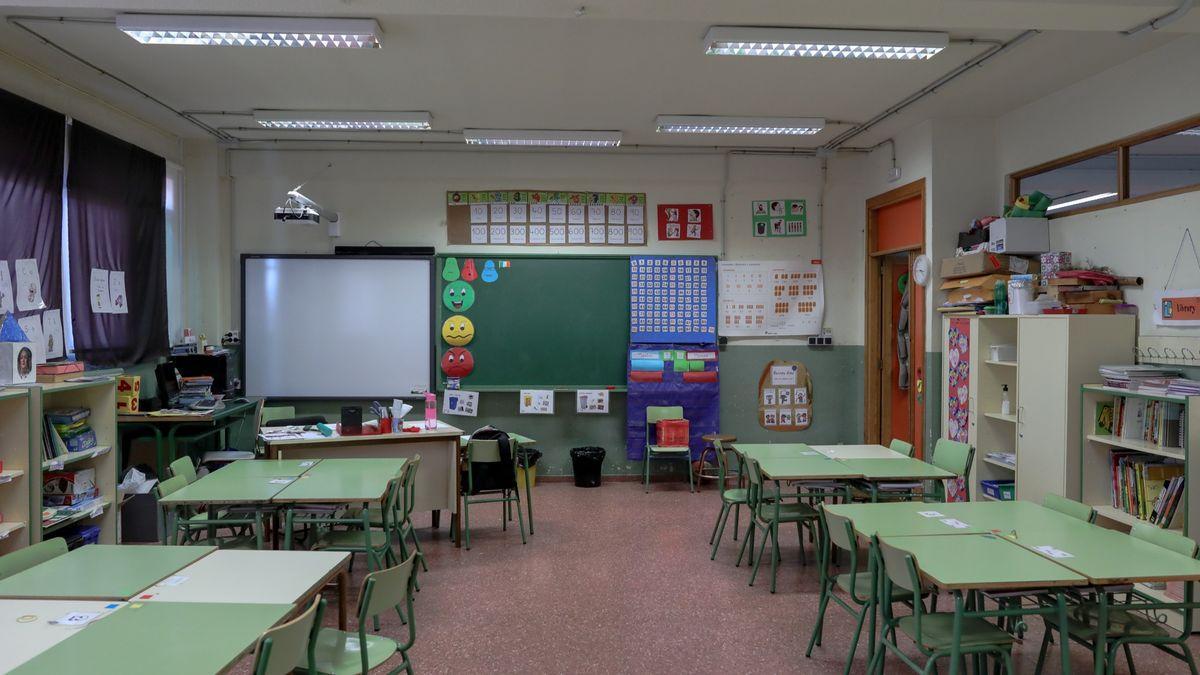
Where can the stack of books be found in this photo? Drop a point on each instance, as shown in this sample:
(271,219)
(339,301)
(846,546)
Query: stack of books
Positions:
(1156,422)
(1006,458)
(1146,487)
(193,389)
(59,371)
(1181,386)
(67,430)
(1134,377)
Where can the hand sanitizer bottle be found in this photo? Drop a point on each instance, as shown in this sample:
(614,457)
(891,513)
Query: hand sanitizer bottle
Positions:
(1005,404)
(430,410)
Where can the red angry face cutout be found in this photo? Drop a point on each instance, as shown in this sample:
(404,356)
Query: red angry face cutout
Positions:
(457,362)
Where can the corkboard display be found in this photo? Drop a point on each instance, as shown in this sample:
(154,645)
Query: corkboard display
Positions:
(785,396)
(546,218)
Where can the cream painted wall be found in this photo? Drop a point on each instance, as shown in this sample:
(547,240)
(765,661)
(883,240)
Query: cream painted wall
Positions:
(1156,88)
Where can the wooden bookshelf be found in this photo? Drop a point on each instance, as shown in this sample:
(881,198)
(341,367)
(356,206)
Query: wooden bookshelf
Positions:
(1095,471)
(14,475)
(101,398)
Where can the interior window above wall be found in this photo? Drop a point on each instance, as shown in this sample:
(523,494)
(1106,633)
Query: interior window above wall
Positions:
(1088,182)
(1166,163)
(173,207)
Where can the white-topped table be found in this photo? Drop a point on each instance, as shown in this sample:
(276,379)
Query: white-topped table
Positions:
(856,451)
(26,631)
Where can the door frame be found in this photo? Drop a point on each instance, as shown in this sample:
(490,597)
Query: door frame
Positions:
(875,402)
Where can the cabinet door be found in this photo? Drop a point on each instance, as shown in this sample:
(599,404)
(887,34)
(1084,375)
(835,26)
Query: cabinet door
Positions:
(1041,408)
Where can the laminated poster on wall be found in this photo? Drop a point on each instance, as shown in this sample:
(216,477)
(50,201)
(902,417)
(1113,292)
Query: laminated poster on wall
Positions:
(591,401)
(785,396)
(32,325)
(118,299)
(28,285)
(771,297)
(52,333)
(461,403)
(536,402)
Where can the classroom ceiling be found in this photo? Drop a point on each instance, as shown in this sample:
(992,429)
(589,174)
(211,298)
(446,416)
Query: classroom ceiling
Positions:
(536,64)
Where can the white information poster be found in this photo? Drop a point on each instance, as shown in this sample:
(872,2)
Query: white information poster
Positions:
(479,234)
(32,325)
(591,401)
(459,402)
(29,285)
(537,402)
(770,297)
(98,292)
(479,213)
(52,332)
(118,299)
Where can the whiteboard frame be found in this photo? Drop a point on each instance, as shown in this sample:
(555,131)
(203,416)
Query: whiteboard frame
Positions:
(431,259)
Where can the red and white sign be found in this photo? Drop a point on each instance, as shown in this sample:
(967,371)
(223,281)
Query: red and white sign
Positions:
(685,222)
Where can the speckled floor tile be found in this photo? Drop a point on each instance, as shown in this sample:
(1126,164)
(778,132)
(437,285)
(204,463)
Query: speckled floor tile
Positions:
(617,581)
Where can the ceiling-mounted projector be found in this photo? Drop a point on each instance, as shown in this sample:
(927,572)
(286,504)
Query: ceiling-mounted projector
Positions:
(300,209)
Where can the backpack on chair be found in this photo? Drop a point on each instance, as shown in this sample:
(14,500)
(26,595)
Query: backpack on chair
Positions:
(492,476)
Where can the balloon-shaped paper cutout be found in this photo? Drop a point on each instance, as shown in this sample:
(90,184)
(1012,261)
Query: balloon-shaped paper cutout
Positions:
(468,270)
(450,270)
(489,272)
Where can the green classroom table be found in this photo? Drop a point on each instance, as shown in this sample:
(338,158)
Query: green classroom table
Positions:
(342,480)
(182,638)
(905,519)
(218,488)
(857,451)
(101,572)
(976,562)
(267,467)
(761,451)
(808,468)
(178,428)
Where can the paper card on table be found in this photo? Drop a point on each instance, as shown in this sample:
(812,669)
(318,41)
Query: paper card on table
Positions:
(1052,552)
(32,325)
(517,234)
(174,580)
(518,213)
(575,213)
(931,514)
(591,401)
(118,299)
(308,462)
(6,291)
(28,289)
(537,213)
(558,213)
(98,292)
(616,214)
(635,214)
(636,234)
(596,234)
(459,402)
(280,481)
(76,619)
(498,213)
(576,234)
(955,523)
(616,234)
(479,234)
(498,234)
(479,213)
(537,234)
(558,234)
(536,402)
(52,333)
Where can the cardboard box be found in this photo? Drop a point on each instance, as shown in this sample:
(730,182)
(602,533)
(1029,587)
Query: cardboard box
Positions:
(129,393)
(972,289)
(64,488)
(1019,235)
(986,262)
(17,363)
(1089,297)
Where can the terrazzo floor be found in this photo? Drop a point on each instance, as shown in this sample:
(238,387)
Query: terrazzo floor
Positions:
(617,581)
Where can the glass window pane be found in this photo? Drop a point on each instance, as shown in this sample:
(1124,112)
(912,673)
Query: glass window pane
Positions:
(1165,163)
(1085,183)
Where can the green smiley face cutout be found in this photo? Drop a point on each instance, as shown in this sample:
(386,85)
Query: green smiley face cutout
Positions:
(458,296)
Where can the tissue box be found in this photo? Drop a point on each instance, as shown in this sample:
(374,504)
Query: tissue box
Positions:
(65,488)
(16,363)
(1019,235)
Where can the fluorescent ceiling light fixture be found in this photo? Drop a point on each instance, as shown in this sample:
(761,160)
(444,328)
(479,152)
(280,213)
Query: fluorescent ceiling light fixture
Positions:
(1194,131)
(543,137)
(1082,200)
(714,124)
(824,43)
(249,31)
(332,120)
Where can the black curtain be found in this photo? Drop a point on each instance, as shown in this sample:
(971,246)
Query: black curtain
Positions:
(31,165)
(116,222)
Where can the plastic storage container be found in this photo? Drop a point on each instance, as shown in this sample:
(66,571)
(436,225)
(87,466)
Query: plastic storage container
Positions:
(671,432)
(532,456)
(586,464)
(1004,490)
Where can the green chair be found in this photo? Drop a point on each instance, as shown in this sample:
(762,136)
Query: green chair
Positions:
(375,543)
(190,528)
(277,412)
(1130,623)
(488,452)
(767,512)
(934,633)
(289,646)
(184,467)
(732,499)
(339,652)
(1070,507)
(955,457)
(859,585)
(654,415)
(36,554)
(408,501)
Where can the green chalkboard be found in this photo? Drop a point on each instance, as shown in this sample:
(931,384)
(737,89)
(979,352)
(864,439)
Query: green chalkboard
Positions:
(545,322)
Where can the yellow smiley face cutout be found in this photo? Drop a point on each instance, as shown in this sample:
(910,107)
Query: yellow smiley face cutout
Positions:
(458,330)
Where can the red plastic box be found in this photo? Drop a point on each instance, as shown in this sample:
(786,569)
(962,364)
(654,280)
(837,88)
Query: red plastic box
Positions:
(672,433)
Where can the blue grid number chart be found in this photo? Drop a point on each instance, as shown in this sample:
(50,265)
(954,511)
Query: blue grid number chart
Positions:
(673,299)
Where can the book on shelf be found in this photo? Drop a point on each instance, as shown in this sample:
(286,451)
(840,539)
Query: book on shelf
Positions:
(1146,487)
(67,431)
(1137,419)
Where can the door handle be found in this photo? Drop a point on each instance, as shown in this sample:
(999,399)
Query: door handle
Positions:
(1020,421)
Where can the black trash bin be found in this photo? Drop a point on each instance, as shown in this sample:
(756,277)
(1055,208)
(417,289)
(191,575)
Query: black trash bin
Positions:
(586,464)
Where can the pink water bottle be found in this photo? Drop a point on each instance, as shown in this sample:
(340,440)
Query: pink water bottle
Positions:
(430,410)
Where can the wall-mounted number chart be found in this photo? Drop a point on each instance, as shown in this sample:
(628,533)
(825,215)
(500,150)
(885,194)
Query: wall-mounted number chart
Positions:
(673,299)
(546,218)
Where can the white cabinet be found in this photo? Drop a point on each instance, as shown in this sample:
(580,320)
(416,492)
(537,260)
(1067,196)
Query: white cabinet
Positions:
(1055,355)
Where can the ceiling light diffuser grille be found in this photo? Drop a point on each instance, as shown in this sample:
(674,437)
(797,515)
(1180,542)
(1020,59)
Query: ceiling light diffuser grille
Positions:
(821,43)
(543,137)
(342,121)
(760,126)
(250,31)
